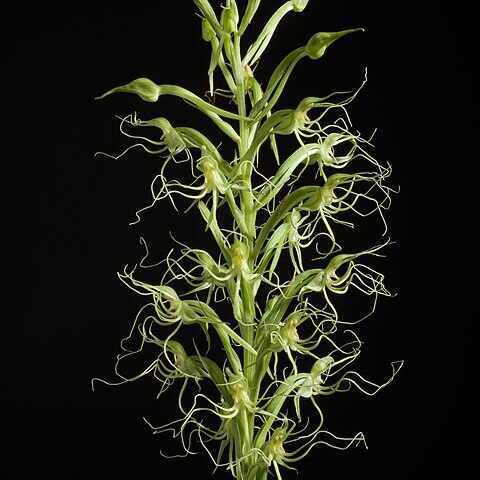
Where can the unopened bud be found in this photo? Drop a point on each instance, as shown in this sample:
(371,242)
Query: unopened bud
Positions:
(143,87)
(229,19)
(239,253)
(208,34)
(317,45)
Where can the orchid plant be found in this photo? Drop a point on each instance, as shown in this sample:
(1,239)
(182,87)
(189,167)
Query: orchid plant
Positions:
(251,332)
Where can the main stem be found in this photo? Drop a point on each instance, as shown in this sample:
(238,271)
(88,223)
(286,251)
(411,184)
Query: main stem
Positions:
(247,326)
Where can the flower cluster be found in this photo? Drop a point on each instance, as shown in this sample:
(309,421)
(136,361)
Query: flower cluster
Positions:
(272,339)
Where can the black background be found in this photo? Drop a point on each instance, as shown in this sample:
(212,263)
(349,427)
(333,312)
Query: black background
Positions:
(69,212)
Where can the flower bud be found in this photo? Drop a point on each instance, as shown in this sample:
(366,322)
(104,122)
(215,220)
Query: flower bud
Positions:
(239,255)
(317,45)
(143,87)
(229,19)
(208,33)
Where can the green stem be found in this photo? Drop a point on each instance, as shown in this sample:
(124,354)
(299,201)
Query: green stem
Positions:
(246,202)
